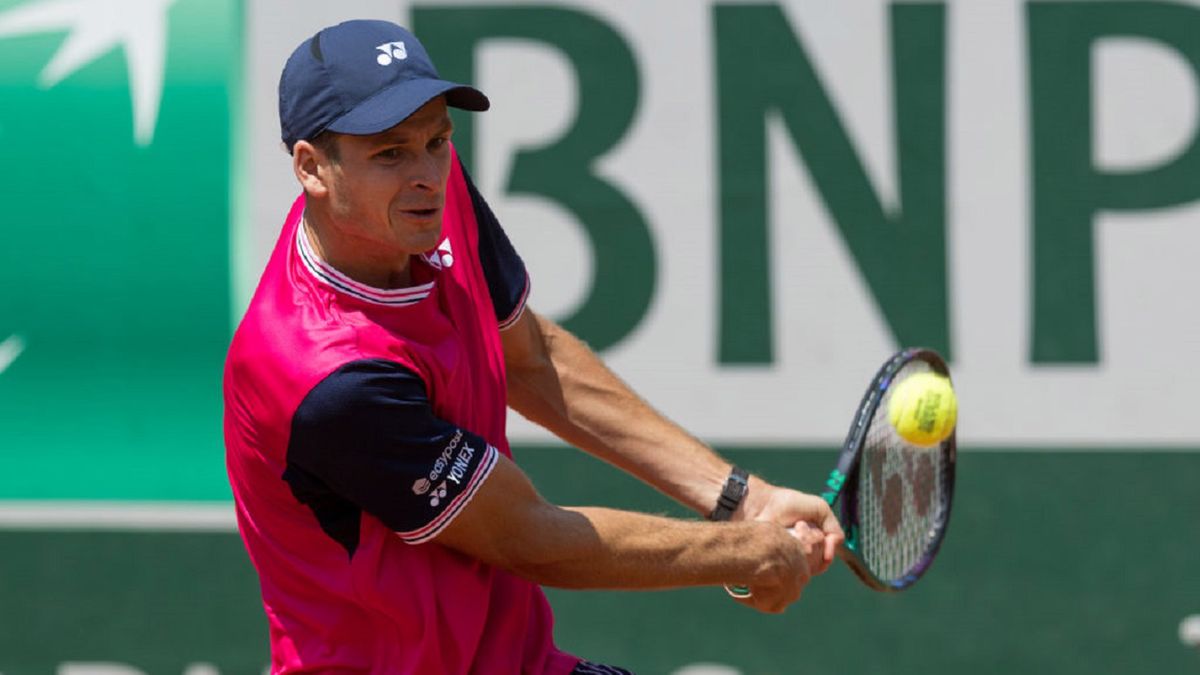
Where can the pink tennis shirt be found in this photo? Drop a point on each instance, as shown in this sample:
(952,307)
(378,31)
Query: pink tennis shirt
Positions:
(358,423)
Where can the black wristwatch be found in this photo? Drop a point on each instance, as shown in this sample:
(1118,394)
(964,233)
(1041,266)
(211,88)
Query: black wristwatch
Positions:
(732,494)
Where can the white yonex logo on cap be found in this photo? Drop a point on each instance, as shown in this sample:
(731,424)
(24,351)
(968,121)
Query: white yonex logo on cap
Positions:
(391,50)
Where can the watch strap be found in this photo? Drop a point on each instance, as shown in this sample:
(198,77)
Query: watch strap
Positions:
(736,486)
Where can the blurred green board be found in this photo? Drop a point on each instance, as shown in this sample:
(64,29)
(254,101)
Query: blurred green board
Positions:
(1056,562)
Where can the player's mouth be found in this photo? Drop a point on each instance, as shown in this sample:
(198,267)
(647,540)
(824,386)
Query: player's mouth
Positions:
(421,214)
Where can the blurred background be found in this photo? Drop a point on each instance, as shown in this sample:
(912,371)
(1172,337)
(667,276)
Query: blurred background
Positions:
(745,207)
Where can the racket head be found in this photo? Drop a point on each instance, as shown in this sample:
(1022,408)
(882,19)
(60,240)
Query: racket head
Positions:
(892,498)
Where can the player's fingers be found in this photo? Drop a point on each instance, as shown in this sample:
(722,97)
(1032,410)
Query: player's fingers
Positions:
(833,528)
(774,608)
(817,560)
(834,536)
(829,521)
(816,546)
(771,604)
(818,510)
(811,539)
(807,533)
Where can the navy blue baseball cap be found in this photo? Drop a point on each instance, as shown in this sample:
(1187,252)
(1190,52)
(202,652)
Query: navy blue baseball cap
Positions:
(361,77)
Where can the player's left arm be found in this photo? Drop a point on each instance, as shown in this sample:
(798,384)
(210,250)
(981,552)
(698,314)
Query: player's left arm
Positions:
(555,380)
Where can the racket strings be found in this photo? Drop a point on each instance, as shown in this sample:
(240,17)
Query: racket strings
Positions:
(901,492)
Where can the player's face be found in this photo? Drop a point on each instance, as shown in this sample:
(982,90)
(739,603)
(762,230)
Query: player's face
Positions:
(388,189)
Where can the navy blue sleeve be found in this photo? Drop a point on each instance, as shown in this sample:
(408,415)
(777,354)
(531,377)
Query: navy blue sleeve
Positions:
(366,439)
(503,268)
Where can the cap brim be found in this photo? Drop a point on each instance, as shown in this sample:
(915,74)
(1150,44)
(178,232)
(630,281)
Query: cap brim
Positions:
(395,104)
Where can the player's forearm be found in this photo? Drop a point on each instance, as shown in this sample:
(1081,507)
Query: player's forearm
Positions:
(568,390)
(597,548)
(509,525)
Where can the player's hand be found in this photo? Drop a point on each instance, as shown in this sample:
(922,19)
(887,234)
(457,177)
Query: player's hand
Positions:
(813,543)
(766,502)
(783,566)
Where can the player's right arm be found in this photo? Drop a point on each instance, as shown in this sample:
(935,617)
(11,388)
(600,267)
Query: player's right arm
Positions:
(365,439)
(508,524)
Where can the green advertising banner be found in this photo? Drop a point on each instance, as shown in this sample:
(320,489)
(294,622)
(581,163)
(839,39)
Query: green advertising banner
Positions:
(1037,575)
(116,121)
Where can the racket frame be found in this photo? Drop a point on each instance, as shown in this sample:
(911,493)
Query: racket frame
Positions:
(840,488)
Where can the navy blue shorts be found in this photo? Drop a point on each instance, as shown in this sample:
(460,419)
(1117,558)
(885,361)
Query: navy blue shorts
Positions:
(589,668)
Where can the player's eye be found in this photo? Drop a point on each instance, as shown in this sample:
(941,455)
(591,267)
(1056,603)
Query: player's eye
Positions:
(388,153)
(439,142)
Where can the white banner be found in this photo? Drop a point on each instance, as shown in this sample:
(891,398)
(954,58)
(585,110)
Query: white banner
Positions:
(828,330)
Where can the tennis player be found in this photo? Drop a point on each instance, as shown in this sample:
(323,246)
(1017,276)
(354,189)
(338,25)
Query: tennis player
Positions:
(365,398)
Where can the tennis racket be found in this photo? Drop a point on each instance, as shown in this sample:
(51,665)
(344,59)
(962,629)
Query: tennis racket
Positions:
(892,498)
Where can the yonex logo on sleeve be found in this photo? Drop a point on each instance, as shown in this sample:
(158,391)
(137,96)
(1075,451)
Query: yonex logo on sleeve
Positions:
(459,469)
(439,493)
(391,51)
(422,485)
(455,466)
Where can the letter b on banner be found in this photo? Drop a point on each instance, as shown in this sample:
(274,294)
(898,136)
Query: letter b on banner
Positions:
(561,171)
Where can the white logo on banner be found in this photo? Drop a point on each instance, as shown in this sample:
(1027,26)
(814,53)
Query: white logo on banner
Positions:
(97,27)
(10,349)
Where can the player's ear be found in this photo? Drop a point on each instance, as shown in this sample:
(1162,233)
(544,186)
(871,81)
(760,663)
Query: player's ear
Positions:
(312,168)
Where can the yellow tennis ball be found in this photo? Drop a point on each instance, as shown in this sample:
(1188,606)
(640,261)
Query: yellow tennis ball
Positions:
(923,409)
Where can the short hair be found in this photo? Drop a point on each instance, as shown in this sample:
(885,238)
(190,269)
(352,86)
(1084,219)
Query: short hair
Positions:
(327,142)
